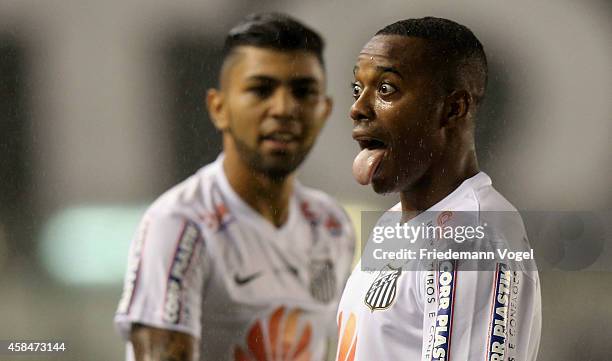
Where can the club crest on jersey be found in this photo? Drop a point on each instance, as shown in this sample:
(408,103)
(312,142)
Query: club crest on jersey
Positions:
(383,290)
(447,278)
(184,253)
(323,280)
(499,314)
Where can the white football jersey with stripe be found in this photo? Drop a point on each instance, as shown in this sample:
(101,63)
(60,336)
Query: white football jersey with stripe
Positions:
(204,263)
(439,311)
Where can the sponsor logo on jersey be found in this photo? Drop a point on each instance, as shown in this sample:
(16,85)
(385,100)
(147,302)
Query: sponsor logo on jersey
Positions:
(308,213)
(444,217)
(133,269)
(243,280)
(333,226)
(512,330)
(323,280)
(219,217)
(430,311)
(222,216)
(347,344)
(383,290)
(178,269)
(447,278)
(498,331)
(284,336)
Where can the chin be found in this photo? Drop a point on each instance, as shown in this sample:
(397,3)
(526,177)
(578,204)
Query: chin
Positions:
(279,167)
(380,187)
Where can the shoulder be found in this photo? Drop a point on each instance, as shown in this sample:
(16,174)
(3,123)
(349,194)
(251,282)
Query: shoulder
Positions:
(329,217)
(495,208)
(489,199)
(491,205)
(320,205)
(172,224)
(187,199)
(505,226)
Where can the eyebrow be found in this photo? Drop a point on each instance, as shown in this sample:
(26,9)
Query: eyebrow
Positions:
(262,78)
(382,69)
(389,69)
(295,81)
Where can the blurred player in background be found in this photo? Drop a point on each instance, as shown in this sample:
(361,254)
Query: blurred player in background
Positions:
(240,261)
(418,84)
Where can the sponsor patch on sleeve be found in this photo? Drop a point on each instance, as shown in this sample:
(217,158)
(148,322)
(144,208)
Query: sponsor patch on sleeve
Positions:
(446,279)
(183,255)
(498,330)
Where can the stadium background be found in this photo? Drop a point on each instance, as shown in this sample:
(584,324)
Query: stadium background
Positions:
(101,110)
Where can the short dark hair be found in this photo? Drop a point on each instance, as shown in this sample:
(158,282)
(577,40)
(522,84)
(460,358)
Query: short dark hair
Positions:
(275,31)
(461,52)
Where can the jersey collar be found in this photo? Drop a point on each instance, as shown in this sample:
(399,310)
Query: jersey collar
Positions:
(243,210)
(463,198)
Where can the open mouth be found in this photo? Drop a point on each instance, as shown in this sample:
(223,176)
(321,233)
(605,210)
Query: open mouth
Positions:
(367,162)
(371,143)
(281,137)
(280,142)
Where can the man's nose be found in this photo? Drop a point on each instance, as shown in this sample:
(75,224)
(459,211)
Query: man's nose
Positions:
(284,104)
(362,110)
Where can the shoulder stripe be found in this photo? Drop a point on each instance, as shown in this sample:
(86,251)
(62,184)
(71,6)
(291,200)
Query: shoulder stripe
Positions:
(133,270)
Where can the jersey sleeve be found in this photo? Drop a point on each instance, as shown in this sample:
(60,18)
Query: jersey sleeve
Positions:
(347,248)
(165,275)
(481,315)
(343,256)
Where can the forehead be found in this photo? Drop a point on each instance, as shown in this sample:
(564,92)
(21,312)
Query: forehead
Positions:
(404,53)
(249,61)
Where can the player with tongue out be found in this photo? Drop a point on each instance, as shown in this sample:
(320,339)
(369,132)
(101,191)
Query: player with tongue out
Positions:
(417,86)
(414,126)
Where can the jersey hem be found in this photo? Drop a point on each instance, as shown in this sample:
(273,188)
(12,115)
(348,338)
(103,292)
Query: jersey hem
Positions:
(123,324)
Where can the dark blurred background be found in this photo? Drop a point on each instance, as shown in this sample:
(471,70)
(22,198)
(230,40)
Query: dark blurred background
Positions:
(102,109)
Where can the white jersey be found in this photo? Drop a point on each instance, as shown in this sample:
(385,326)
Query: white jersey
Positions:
(440,312)
(204,263)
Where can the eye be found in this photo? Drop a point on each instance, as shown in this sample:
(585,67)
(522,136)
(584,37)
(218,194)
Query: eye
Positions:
(261,91)
(303,92)
(356,88)
(386,89)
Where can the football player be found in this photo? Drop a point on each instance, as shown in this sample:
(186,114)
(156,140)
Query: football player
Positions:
(240,261)
(417,86)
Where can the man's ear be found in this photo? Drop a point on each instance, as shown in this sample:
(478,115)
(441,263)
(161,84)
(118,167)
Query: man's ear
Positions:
(329,105)
(323,111)
(457,106)
(215,102)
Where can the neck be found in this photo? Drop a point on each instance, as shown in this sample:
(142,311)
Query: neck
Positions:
(438,182)
(269,197)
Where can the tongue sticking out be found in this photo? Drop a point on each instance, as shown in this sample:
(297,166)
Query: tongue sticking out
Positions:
(365,164)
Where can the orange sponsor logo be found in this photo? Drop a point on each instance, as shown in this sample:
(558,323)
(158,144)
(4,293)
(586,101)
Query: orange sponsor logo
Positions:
(347,344)
(279,338)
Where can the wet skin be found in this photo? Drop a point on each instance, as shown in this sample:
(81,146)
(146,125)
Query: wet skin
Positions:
(402,106)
